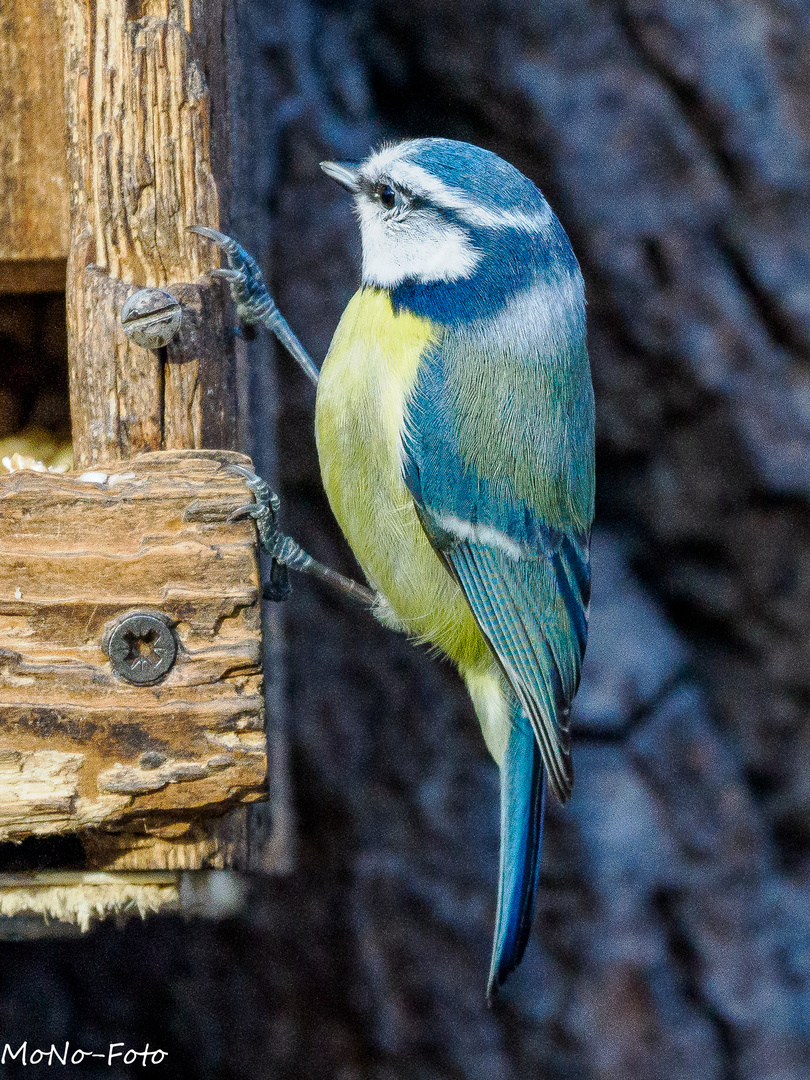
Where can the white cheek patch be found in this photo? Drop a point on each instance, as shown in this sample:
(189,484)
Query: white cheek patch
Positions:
(420,248)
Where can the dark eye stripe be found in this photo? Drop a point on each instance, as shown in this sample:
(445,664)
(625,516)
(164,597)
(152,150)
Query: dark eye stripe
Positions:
(390,196)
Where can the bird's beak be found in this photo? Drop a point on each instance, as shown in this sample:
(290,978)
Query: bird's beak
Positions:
(344,172)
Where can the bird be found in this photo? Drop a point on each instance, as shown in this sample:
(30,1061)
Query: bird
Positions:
(454,424)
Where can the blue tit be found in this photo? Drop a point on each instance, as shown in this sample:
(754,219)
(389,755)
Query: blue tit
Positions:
(455,433)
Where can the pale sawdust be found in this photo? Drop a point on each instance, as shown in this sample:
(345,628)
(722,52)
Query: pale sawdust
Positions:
(82,904)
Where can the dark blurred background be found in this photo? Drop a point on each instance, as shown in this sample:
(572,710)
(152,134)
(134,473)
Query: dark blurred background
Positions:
(672,937)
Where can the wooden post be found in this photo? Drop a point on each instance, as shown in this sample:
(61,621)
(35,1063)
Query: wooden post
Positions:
(149,154)
(148,106)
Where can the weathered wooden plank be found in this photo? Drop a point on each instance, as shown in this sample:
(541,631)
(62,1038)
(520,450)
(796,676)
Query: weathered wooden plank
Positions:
(80,746)
(33,171)
(198,671)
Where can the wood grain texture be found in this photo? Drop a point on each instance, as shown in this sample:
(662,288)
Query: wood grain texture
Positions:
(79,746)
(147,109)
(33,174)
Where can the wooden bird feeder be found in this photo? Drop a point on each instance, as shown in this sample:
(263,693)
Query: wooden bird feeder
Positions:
(131,706)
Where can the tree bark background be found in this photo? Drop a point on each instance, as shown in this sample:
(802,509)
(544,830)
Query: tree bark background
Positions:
(672,935)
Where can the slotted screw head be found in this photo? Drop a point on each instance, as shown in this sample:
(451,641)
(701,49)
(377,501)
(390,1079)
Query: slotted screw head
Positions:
(151,318)
(142,647)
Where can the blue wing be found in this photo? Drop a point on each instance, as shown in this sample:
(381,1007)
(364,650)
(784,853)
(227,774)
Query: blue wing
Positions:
(527,582)
(531,612)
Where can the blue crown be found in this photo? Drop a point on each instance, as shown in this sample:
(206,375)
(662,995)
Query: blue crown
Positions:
(490,180)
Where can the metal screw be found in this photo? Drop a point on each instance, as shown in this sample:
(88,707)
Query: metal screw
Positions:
(141,647)
(151,318)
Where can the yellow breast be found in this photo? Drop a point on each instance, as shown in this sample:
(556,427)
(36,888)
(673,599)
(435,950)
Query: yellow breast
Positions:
(370,370)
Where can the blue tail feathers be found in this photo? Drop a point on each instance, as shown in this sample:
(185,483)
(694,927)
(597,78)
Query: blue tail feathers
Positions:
(522,802)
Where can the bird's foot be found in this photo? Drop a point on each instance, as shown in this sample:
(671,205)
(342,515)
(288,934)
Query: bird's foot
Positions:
(283,550)
(254,303)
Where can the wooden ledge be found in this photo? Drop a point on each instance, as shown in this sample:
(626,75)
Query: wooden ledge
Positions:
(146,774)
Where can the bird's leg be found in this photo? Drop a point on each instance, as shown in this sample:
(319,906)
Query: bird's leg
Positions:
(255,305)
(283,550)
(253,302)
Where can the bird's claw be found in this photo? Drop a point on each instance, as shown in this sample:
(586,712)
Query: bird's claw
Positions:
(225,242)
(227,274)
(254,510)
(248,289)
(264,511)
(260,488)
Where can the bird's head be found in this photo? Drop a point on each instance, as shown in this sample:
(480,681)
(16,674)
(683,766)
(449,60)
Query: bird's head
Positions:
(434,210)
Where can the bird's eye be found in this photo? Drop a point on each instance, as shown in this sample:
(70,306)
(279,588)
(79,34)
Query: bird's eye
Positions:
(388,197)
